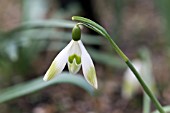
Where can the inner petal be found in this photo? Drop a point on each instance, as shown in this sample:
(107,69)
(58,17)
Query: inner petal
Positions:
(73,66)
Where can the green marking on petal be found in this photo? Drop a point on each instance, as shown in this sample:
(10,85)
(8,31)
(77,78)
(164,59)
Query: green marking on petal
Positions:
(91,76)
(74,56)
(52,71)
(70,59)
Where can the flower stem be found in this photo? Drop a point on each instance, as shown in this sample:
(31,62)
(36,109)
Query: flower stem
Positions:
(130,65)
(143,84)
(99,29)
(166,108)
(146,89)
(117,49)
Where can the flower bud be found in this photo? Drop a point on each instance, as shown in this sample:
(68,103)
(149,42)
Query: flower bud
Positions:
(76,33)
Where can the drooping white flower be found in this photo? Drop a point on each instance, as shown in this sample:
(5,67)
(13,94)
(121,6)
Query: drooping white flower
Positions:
(75,55)
(130,82)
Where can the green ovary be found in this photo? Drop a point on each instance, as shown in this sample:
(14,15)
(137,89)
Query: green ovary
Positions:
(76,33)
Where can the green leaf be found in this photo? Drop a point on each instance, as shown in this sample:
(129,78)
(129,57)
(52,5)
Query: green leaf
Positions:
(42,24)
(163,7)
(106,58)
(65,36)
(38,84)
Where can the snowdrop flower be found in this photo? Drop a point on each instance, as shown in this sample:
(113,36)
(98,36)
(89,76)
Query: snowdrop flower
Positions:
(130,82)
(75,55)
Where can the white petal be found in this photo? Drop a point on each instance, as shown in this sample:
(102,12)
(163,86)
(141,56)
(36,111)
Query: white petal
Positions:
(75,49)
(88,66)
(58,64)
(73,67)
(130,82)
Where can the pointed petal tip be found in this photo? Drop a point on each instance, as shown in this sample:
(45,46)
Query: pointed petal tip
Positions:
(47,76)
(92,80)
(45,79)
(90,76)
(95,86)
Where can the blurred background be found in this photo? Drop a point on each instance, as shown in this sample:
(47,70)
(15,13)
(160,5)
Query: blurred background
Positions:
(30,40)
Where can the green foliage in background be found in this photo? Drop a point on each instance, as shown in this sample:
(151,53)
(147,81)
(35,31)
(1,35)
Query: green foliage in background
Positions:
(23,45)
(38,84)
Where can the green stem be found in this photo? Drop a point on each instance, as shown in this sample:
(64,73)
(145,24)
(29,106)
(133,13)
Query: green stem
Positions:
(117,49)
(96,27)
(166,109)
(146,89)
